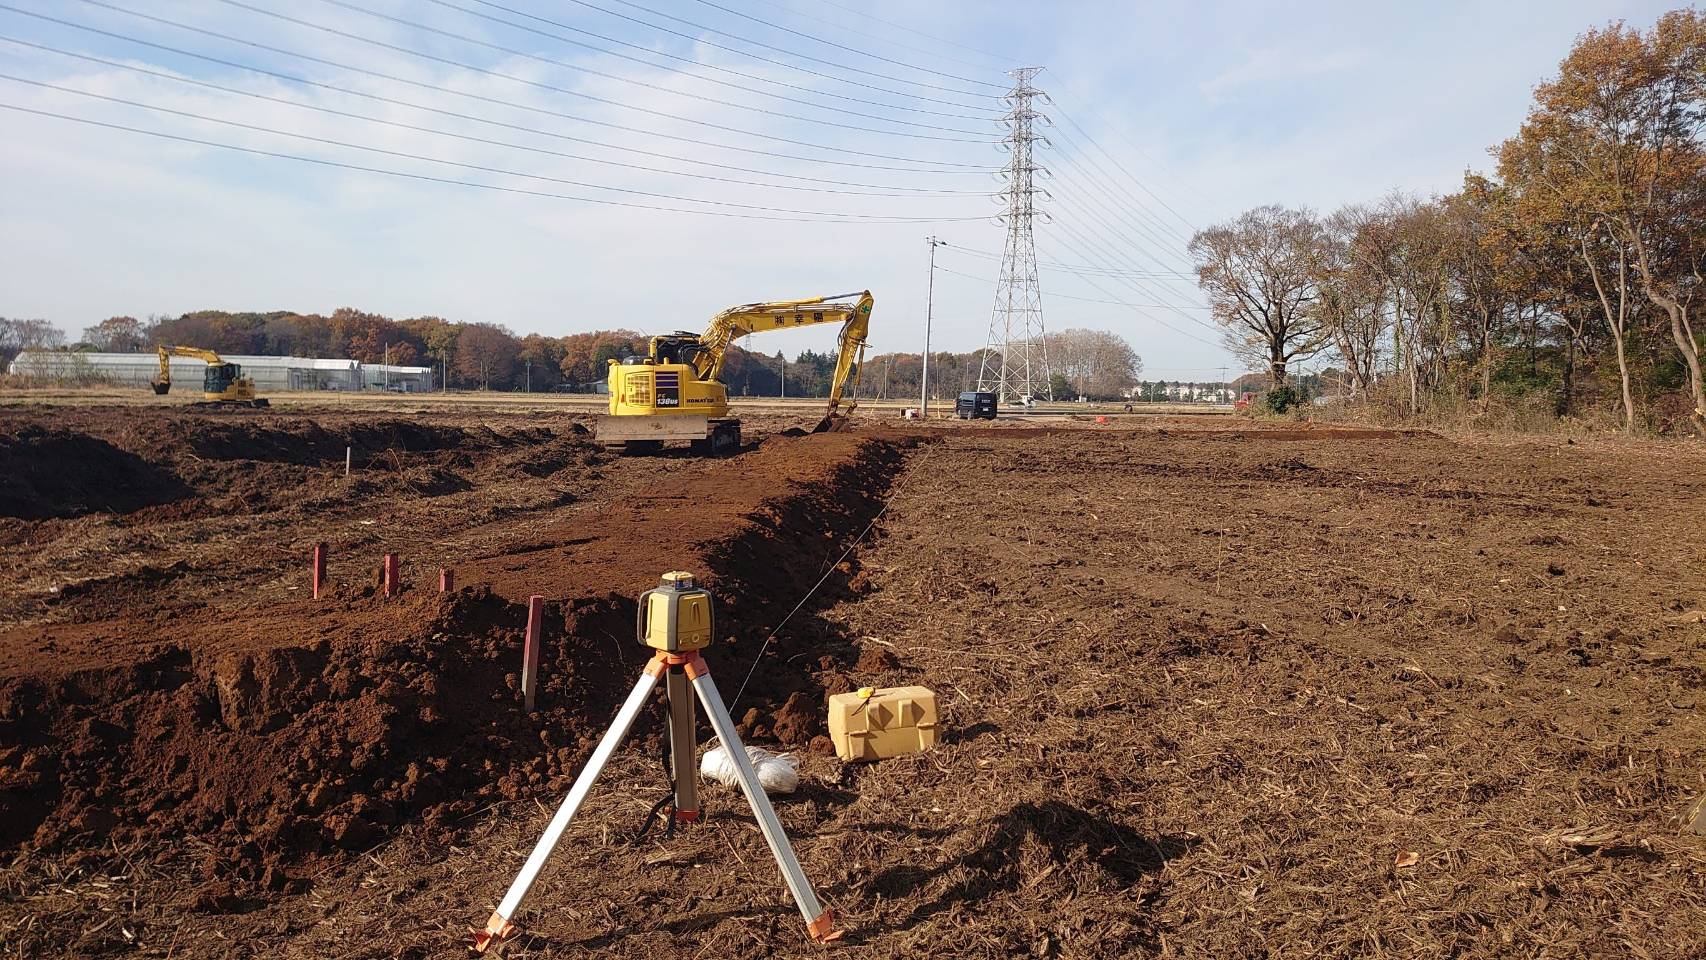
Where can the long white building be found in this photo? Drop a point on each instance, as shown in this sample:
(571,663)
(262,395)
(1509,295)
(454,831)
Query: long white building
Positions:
(270,373)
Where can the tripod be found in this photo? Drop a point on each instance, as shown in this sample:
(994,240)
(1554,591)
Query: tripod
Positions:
(675,619)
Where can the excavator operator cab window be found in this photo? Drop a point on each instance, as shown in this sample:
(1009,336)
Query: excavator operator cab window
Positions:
(219,376)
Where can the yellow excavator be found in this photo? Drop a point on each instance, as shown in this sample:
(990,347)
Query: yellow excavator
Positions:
(222,385)
(672,392)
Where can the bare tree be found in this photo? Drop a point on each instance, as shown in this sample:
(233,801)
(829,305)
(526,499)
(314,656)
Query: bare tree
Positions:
(1351,300)
(1258,274)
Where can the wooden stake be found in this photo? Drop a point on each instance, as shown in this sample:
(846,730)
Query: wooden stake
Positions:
(317,573)
(530,651)
(446,580)
(392,575)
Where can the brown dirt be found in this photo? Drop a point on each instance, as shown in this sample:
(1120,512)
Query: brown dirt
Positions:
(1357,693)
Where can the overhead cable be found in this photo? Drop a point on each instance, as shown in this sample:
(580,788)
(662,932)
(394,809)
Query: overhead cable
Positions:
(878,189)
(566,91)
(497,101)
(841,64)
(842,46)
(482,168)
(976,136)
(913,192)
(500,188)
(937,53)
(990,112)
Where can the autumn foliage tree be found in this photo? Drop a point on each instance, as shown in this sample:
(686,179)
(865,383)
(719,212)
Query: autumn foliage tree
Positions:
(1578,265)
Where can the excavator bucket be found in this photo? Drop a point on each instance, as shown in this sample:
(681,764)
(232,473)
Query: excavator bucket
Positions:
(160,389)
(834,423)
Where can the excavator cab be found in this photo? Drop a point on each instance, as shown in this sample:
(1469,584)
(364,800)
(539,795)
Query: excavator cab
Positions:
(219,377)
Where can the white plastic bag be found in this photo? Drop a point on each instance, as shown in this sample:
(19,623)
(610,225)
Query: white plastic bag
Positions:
(777,772)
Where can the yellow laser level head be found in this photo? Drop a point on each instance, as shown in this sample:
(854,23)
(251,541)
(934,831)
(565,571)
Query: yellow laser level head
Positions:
(676,615)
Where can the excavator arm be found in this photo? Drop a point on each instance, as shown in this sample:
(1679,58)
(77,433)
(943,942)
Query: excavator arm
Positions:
(163,382)
(851,310)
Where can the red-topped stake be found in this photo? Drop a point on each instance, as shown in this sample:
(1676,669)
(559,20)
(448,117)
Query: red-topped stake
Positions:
(530,652)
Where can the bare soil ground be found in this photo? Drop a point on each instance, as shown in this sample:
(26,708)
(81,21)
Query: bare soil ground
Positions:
(1211,690)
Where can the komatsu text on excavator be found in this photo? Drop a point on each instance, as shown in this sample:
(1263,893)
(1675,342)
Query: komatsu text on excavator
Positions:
(672,393)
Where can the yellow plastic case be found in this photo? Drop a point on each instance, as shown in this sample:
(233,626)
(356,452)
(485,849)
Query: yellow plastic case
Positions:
(890,722)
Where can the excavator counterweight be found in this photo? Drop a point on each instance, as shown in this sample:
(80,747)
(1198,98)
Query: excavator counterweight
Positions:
(673,391)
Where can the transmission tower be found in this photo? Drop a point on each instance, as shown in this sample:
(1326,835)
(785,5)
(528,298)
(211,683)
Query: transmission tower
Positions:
(1015,356)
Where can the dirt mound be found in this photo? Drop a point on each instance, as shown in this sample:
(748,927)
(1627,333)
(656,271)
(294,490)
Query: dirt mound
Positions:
(287,738)
(61,473)
(279,756)
(122,462)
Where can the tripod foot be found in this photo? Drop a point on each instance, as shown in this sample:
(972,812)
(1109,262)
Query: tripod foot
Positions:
(497,930)
(823,929)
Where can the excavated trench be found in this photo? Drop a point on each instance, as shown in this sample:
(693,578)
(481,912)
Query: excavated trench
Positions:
(288,739)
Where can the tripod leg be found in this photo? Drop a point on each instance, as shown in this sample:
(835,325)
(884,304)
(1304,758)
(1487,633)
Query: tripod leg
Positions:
(498,926)
(819,922)
(682,744)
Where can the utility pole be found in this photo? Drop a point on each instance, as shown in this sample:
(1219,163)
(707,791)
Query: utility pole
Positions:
(782,361)
(929,313)
(1016,325)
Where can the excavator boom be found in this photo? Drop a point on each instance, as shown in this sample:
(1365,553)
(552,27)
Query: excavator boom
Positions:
(674,392)
(851,310)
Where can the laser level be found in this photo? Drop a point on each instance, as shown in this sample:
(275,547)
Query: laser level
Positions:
(674,619)
(675,615)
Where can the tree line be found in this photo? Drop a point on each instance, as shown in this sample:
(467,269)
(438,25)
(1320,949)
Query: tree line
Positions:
(1094,364)
(1571,275)
(1091,363)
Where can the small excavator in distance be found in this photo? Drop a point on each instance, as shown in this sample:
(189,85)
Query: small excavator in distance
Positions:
(222,385)
(672,392)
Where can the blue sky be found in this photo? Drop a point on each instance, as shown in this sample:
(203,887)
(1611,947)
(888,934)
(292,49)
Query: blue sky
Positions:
(1166,117)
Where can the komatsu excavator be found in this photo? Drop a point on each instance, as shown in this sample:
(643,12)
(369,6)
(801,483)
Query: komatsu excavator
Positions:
(672,393)
(222,385)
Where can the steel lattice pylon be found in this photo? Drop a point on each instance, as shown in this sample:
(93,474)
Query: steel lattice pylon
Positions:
(1015,355)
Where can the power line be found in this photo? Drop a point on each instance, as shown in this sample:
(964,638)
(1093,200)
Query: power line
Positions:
(1151,317)
(1154,275)
(898,26)
(1111,257)
(841,46)
(959,168)
(1056,295)
(566,65)
(1155,250)
(463,65)
(1140,217)
(920,193)
(938,54)
(482,168)
(827,218)
(1090,106)
(880,189)
(806,57)
(708,66)
(1143,288)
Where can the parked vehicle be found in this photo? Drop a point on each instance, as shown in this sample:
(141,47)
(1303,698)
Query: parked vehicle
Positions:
(975,405)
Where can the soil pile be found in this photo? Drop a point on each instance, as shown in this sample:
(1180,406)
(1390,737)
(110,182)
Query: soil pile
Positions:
(285,739)
(63,473)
